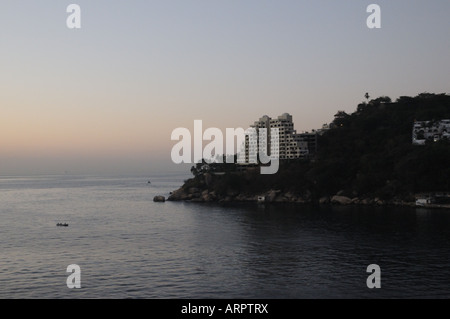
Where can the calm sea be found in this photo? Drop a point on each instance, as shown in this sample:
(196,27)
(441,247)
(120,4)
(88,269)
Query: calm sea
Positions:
(127,246)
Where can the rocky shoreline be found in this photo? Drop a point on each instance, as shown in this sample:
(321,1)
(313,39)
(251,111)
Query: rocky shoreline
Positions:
(194,194)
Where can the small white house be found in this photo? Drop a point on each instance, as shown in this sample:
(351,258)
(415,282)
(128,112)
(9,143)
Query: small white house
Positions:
(423,201)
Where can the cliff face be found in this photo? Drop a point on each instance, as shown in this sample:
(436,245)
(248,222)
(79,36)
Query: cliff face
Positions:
(367,157)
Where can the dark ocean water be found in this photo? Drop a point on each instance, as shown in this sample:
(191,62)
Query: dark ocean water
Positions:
(127,246)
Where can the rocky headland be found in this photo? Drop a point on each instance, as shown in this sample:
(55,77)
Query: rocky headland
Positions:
(367,157)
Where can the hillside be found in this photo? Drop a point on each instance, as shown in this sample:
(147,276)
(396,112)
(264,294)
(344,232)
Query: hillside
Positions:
(365,155)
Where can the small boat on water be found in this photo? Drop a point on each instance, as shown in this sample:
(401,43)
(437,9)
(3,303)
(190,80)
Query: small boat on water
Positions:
(62,225)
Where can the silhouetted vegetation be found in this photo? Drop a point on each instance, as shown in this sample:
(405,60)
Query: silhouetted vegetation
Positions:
(372,152)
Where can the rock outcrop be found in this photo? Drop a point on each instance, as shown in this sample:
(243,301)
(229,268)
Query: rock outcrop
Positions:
(341,200)
(159,199)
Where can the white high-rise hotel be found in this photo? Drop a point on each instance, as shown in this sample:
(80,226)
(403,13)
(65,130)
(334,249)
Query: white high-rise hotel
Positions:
(290,144)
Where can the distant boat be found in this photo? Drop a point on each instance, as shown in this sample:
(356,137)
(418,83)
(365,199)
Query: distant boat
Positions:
(149,182)
(62,225)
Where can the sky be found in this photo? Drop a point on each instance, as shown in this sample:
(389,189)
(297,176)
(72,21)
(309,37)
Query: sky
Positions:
(105,98)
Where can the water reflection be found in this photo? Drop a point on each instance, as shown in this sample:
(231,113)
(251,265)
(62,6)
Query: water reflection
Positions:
(306,251)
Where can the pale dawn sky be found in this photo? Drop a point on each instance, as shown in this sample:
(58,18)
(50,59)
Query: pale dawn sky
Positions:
(106,97)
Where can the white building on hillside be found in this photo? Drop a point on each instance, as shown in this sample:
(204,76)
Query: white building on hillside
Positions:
(433,131)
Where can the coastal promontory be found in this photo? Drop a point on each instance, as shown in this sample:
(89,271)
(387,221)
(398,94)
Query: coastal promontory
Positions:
(365,157)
